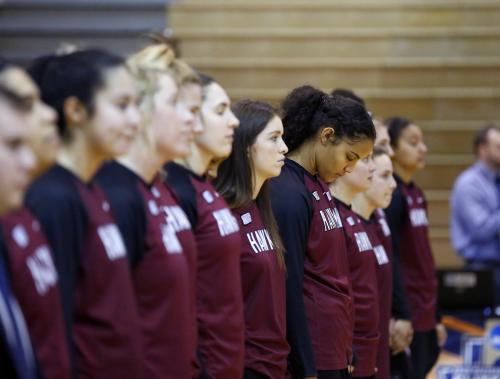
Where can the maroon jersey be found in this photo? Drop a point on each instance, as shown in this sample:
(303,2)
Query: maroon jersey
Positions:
(383,230)
(381,235)
(363,275)
(320,321)
(35,285)
(98,298)
(415,254)
(263,284)
(161,246)
(178,223)
(218,293)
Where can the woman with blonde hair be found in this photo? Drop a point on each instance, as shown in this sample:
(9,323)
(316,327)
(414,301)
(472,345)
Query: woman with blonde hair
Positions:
(157,233)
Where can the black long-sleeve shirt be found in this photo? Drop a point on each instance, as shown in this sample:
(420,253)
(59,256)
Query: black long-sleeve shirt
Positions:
(219,298)
(319,303)
(161,247)
(394,214)
(94,276)
(408,216)
(16,355)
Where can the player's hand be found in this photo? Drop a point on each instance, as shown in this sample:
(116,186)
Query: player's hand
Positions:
(442,334)
(401,335)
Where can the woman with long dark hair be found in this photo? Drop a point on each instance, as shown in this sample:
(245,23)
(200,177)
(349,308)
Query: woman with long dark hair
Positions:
(326,136)
(258,154)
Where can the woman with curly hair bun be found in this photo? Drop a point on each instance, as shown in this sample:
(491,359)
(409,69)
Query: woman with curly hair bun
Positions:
(326,136)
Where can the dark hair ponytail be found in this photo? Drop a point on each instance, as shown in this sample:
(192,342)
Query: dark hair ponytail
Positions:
(79,74)
(307,110)
(298,109)
(38,67)
(235,178)
(344,92)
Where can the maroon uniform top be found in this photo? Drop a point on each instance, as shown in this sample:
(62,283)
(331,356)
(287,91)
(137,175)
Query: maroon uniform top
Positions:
(407,216)
(90,256)
(383,230)
(37,291)
(380,235)
(263,284)
(160,245)
(320,321)
(218,293)
(363,275)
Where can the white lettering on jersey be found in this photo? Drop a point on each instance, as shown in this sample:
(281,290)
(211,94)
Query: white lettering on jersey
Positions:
(381,255)
(316,195)
(20,235)
(42,269)
(331,218)
(260,241)
(226,222)
(112,240)
(170,240)
(175,221)
(337,217)
(350,221)
(385,227)
(363,241)
(418,217)
(329,196)
(175,216)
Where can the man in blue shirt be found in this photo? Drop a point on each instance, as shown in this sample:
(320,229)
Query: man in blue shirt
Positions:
(475,205)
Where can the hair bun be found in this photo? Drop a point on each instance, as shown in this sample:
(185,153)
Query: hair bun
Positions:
(153,57)
(298,111)
(305,99)
(41,65)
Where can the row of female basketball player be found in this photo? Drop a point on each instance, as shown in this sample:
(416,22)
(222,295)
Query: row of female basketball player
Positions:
(152,230)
